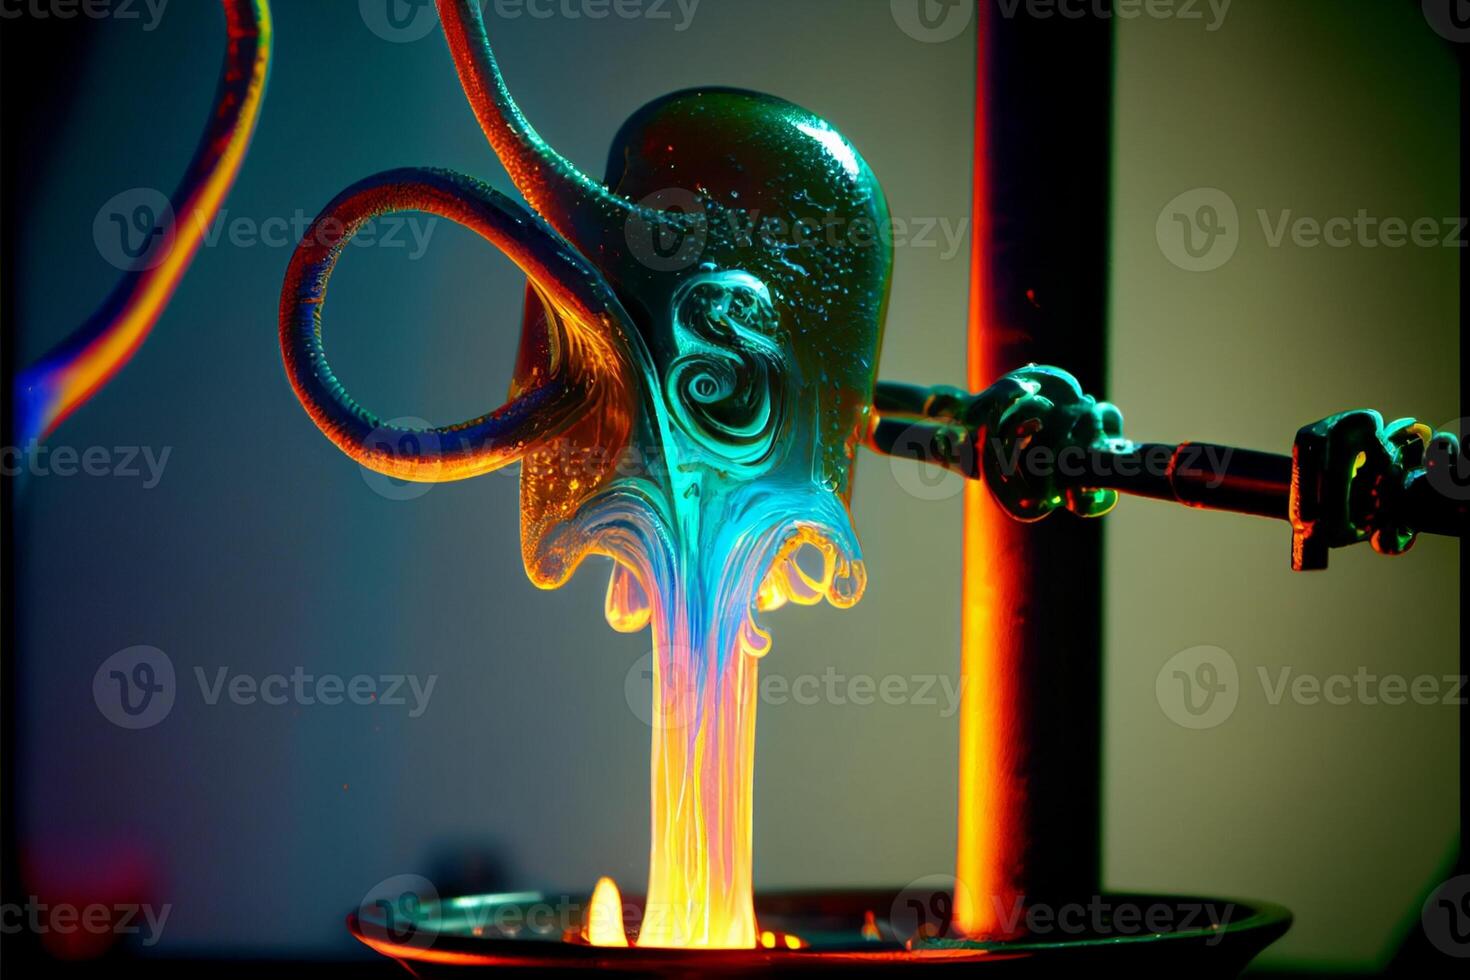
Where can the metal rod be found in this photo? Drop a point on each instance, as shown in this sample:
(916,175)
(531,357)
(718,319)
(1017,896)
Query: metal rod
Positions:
(1205,475)
(1030,720)
(1195,474)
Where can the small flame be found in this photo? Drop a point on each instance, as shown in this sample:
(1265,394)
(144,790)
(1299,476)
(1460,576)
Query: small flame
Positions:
(604,925)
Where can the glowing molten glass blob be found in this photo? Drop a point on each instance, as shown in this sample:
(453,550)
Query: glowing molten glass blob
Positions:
(695,422)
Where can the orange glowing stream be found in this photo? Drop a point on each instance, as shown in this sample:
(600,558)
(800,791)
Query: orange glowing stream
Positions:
(703,747)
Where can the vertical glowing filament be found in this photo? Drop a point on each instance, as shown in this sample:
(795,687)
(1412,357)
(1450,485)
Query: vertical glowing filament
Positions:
(699,589)
(991,797)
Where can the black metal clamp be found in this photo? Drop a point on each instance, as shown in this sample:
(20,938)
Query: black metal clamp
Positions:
(1041,444)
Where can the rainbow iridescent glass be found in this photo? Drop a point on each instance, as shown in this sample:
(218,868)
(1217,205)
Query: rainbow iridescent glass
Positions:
(695,376)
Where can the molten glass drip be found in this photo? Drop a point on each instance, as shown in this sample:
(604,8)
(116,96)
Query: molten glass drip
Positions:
(705,533)
(699,584)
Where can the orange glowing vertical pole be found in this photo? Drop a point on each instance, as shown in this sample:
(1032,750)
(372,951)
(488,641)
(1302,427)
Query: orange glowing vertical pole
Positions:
(1030,720)
(988,797)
